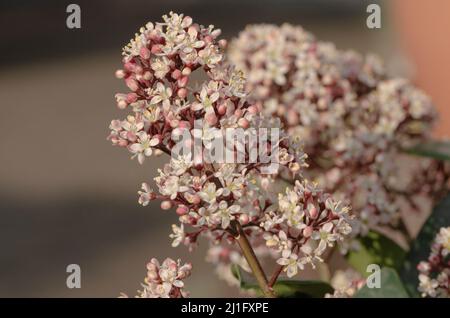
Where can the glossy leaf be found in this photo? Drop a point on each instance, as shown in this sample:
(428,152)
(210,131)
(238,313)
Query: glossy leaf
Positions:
(376,249)
(390,287)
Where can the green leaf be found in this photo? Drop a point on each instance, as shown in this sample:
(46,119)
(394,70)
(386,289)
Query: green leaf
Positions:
(376,249)
(286,288)
(390,287)
(434,149)
(420,248)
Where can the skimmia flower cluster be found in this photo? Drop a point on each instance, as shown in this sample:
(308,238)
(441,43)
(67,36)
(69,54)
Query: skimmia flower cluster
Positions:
(434,274)
(306,222)
(353,119)
(164,280)
(224,200)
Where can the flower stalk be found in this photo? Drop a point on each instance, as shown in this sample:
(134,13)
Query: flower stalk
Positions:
(252,260)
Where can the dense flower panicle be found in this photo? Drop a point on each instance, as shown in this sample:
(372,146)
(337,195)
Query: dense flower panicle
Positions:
(353,119)
(434,273)
(164,280)
(211,196)
(206,194)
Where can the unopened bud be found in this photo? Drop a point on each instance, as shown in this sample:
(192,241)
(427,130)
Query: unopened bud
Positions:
(166,205)
(186,71)
(307,231)
(182,93)
(244,219)
(176,74)
(211,118)
(120,74)
(182,210)
(132,84)
(144,53)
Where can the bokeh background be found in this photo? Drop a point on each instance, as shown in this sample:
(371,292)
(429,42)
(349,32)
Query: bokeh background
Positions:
(67,196)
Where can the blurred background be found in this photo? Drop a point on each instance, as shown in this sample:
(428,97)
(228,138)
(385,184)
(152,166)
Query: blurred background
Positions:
(67,196)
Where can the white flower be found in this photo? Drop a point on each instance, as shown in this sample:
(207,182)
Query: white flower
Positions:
(278,241)
(132,125)
(443,238)
(326,237)
(289,205)
(142,148)
(161,94)
(205,215)
(160,66)
(206,101)
(158,291)
(290,262)
(209,56)
(146,195)
(309,256)
(427,286)
(170,185)
(209,193)
(191,41)
(177,235)
(180,164)
(234,186)
(225,214)
(152,113)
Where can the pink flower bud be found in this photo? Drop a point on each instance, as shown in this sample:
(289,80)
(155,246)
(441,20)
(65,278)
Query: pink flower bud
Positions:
(238,113)
(307,231)
(211,118)
(151,267)
(182,210)
(186,71)
(120,74)
(224,253)
(184,125)
(253,109)
(122,104)
(144,53)
(313,212)
(129,66)
(244,219)
(156,49)
(166,205)
(195,199)
(176,74)
(131,97)
(223,43)
(132,84)
(182,93)
(222,109)
(243,123)
(208,39)
(122,143)
(182,81)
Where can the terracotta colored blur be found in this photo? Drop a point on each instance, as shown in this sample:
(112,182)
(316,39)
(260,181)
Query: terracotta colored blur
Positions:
(424,30)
